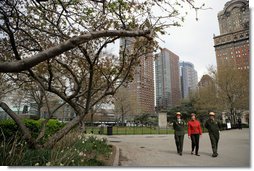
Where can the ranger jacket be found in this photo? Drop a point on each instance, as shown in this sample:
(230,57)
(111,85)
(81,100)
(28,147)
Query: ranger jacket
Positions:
(179,127)
(212,126)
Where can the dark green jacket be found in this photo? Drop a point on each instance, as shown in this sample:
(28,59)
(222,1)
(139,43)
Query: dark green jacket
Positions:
(179,127)
(213,126)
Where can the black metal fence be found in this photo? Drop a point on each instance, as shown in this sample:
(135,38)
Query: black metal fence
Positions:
(126,130)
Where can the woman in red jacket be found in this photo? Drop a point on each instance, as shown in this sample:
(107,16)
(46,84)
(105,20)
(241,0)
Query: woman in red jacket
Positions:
(194,131)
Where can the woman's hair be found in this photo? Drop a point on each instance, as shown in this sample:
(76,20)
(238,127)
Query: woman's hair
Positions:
(193,114)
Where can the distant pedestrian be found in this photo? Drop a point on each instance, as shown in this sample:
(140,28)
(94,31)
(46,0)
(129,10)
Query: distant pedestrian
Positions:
(239,121)
(178,125)
(213,127)
(194,132)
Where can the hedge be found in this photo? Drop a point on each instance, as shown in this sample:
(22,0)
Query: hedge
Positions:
(8,128)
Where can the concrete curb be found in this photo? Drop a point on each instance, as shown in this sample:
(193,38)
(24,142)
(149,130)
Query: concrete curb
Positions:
(117,156)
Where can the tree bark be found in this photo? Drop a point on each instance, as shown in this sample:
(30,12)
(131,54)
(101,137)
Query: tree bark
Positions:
(60,134)
(27,63)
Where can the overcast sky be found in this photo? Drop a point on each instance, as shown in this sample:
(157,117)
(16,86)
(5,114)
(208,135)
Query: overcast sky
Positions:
(193,42)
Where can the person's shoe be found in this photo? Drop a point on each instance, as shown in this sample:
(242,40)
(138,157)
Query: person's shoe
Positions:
(197,154)
(191,152)
(180,153)
(214,155)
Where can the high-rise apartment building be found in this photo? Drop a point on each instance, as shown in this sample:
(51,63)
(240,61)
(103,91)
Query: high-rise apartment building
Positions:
(232,45)
(168,93)
(189,79)
(141,89)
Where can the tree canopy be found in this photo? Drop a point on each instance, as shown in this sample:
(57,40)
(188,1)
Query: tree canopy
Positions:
(59,45)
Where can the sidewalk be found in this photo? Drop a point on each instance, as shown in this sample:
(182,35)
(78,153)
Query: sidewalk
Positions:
(160,150)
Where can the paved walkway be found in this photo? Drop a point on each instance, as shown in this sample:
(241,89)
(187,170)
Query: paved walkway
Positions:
(160,150)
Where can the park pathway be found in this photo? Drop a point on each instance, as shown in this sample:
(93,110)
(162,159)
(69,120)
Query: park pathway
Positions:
(160,150)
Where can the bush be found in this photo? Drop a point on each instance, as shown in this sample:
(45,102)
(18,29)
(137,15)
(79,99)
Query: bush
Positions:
(9,128)
(53,126)
(245,126)
(73,150)
(33,125)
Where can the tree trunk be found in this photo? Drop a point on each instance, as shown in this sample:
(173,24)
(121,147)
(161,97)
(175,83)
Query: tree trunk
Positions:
(39,110)
(82,126)
(232,115)
(122,110)
(25,131)
(60,134)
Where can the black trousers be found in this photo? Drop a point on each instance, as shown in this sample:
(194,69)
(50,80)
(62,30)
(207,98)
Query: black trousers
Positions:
(195,142)
(239,126)
(179,143)
(214,138)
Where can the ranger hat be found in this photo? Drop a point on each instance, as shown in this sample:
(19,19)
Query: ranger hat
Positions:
(178,113)
(212,114)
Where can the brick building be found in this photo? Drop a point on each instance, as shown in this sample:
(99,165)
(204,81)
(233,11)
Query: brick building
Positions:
(141,89)
(232,45)
(206,80)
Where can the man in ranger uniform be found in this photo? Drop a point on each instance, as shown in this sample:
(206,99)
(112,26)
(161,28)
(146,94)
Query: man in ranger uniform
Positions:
(178,126)
(213,128)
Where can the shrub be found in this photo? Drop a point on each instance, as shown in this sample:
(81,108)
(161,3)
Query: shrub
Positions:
(33,126)
(8,128)
(73,150)
(53,126)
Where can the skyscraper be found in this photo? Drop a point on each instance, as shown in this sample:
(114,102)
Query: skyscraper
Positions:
(189,79)
(141,89)
(232,45)
(168,92)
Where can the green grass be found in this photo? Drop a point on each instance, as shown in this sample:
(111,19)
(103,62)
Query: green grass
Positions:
(130,130)
(117,130)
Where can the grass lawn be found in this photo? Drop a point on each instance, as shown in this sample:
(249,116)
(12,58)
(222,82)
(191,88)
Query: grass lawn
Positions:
(130,130)
(117,130)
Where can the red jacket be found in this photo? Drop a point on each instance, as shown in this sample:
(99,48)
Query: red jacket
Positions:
(194,127)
